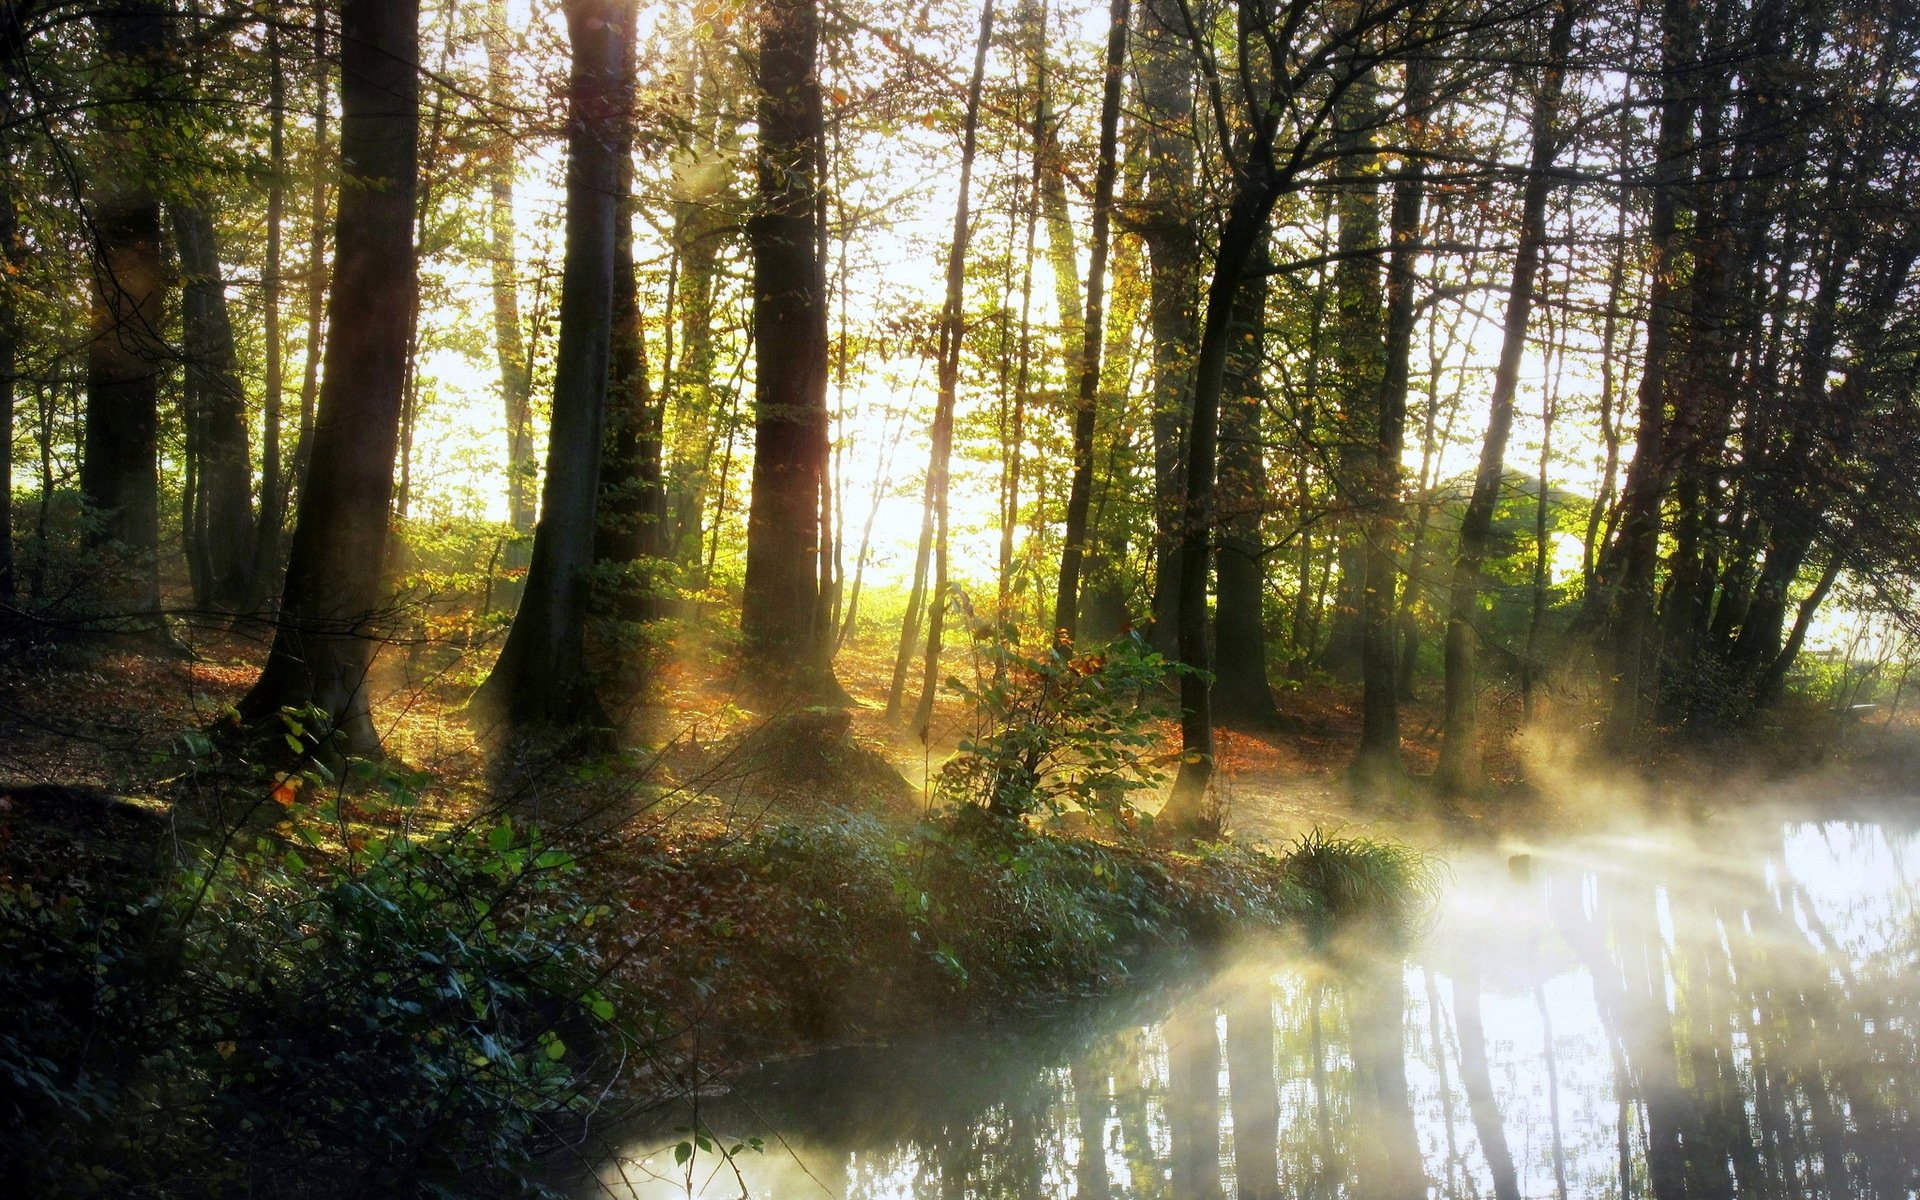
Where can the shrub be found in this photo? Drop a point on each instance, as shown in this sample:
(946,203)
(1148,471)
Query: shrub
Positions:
(1054,730)
(296,1017)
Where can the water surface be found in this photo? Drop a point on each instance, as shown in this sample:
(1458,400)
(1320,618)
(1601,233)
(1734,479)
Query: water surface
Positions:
(1729,1010)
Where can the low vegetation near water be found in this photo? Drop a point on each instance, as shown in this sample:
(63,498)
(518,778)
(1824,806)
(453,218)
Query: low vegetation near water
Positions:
(328,1001)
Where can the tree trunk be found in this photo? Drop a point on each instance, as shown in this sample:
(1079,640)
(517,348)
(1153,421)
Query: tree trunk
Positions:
(779,616)
(509,336)
(333,607)
(952,334)
(1066,603)
(1241,693)
(126,354)
(217,403)
(1241,237)
(1377,763)
(631,538)
(9,324)
(317,268)
(1459,767)
(1173,253)
(1358,342)
(540,677)
(1636,550)
(266,537)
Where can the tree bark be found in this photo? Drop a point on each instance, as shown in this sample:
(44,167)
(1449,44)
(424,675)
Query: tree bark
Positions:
(952,334)
(541,675)
(217,405)
(1377,763)
(509,336)
(1066,602)
(1172,235)
(126,353)
(631,539)
(780,618)
(1242,694)
(272,514)
(332,610)
(1459,767)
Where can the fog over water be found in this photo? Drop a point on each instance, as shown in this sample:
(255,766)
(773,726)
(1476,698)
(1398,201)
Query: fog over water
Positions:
(1721,1010)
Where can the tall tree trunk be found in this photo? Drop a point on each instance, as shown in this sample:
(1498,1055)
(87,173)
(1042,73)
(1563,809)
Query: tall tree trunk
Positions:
(1459,767)
(126,354)
(952,335)
(1241,237)
(1241,692)
(509,335)
(631,538)
(9,319)
(779,617)
(540,677)
(332,611)
(267,530)
(1066,602)
(317,273)
(1172,236)
(1377,763)
(1635,552)
(1359,339)
(218,405)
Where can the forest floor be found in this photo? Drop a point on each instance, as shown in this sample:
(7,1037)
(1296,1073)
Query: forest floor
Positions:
(744,880)
(113,719)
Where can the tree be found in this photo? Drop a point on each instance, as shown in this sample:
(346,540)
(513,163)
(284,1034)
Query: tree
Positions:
(1169,226)
(541,677)
(1459,766)
(952,333)
(781,614)
(334,600)
(127,350)
(510,346)
(1066,603)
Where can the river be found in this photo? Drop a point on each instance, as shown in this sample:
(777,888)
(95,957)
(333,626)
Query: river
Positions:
(1725,1009)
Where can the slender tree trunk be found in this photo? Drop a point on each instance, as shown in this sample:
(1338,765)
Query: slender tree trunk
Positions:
(332,610)
(1459,767)
(273,515)
(1637,545)
(1241,692)
(317,273)
(1241,237)
(1358,342)
(779,617)
(509,336)
(952,335)
(9,324)
(1377,763)
(1173,252)
(631,537)
(126,354)
(540,677)
(218,403)
(1066,603)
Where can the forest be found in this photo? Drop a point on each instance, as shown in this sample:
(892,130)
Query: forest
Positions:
(557,552)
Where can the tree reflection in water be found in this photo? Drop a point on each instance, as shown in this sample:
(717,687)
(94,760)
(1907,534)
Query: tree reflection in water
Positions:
(1692,1018)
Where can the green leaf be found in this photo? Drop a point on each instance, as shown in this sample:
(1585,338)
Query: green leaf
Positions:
(500,837)
(556,1050)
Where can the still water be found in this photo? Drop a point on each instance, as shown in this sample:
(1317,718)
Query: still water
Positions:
(1717,1012)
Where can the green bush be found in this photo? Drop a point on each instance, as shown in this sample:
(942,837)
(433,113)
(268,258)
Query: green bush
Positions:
(382,1018)
(1056,731)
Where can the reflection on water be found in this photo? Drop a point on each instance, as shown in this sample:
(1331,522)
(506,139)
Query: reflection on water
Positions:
(1706,1015)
